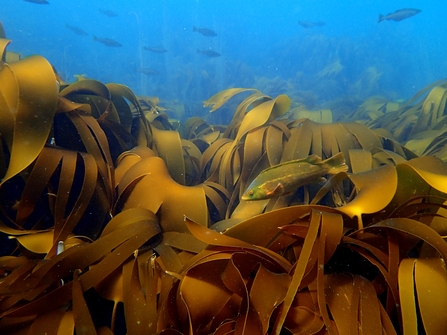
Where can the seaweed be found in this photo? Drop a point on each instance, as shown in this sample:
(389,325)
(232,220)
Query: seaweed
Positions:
(106,201)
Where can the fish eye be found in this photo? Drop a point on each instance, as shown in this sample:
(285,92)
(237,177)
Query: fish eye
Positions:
(250,192)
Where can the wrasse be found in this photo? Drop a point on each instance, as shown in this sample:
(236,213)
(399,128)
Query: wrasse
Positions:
(285,178)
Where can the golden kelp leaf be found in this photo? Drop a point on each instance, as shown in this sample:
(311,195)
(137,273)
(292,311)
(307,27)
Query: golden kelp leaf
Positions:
(423,287)
(416,229)
(170,200)
(81,314)
(368,184)
(12,57)
(214,285)
(421,176)
(242,109)
(217,100)
(432,109)
(67,324)
(361,160)
(118,94)
(269,110)
(111,288)
(265,299)
(39,243)
(70,201)
(2,31)
(3,44)
(168,146)
(48,323)
(129,158)
(353,303)
(195,127)
(107,253)
(136,309)
(299,272)
(331,70)
(321,116)
(33,112)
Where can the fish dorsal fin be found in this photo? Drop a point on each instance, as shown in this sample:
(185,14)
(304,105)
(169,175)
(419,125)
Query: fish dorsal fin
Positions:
(277,191)
(312,159)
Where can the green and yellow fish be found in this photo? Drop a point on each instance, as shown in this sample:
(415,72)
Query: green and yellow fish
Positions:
(285,178)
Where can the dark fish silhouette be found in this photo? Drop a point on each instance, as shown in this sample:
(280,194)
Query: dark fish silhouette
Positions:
(209,53)
(156,50)
(400,14)
(149,72)
(308,24)
(39,2)
(107,41)
(109,13)
(204,31)
(76,30)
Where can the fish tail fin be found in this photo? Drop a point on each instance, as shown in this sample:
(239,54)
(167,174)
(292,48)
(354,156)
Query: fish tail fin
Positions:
(95,38)
(336,164)
(381,18)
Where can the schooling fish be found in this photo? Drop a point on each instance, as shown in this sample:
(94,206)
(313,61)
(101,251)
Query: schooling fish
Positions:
(108,12)
(76,30)
(204,31)
(209,53)
(157,50)
(400,14)
(285,178)
(107,41)
(39,2)
(308,24)
(148,71)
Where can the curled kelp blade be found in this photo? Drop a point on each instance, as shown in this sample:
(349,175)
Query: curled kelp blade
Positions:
(28,120)
(423,287)
(217,100)
(107,254)
(226,285)
(168,146)
(151,175)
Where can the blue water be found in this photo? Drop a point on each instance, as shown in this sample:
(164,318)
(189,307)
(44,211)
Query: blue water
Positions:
(261,44)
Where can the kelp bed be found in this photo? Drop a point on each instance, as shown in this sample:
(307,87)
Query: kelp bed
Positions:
(115,219)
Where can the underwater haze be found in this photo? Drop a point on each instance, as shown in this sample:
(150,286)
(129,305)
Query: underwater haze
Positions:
(315,51)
